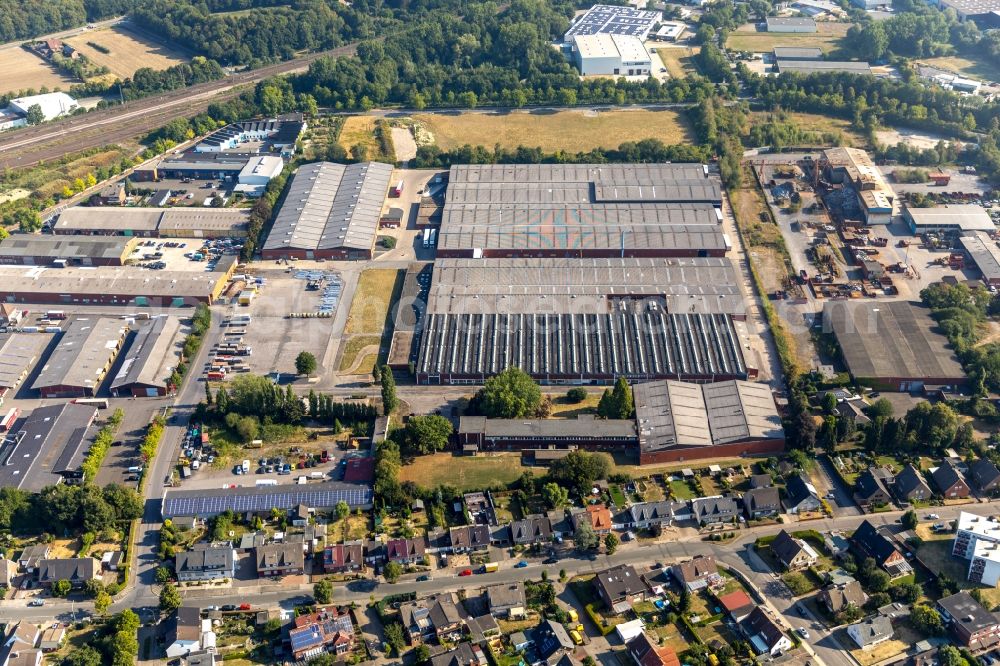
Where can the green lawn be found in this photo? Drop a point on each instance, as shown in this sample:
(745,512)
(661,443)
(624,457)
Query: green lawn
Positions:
(617,496)
(464,472)
(682,491)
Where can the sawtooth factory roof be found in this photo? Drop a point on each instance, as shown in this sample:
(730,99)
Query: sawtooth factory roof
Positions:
(331,206)
(568,207)
(680,414)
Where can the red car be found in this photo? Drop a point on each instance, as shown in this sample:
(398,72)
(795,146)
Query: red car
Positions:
(244,607)
(465,572)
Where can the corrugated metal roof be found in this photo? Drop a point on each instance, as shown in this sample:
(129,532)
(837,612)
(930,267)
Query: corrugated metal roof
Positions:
(82,354)
(148,361)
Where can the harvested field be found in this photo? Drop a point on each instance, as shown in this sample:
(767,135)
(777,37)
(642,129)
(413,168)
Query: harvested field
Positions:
(827,37)
(360,131)
(128,51)
(23,70)
(677,59)
(969,67)
(572,131)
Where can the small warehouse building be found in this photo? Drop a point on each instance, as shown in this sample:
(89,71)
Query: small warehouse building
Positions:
(150,360)
(585,432)
(980,11)
(258,172)
(47,447)
(611,55)
(679,421)
(790,24)
(391,219)
(17,357)
(108,285)
(952,218)
(785,66)
(892,345)
(31,249)
(331,211)
(791,53)
(82,357)
(985,254)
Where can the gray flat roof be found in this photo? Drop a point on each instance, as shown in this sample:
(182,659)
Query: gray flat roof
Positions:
(972,7)
(211,502)
(127,218)
(527,285)
(615,20)
(680,414)
(798,53)
(808,66)
(984,253)
(83,353)
(581,206)
(331,206)
(891,339)
(17,354)
(66,247)
(797,21)
(26,281)
(48,442)
(966,217)
(581,427)
(149,360)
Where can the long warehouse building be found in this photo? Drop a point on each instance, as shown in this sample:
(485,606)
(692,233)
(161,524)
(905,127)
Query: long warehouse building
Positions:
(582,210)
(31,249)
(17,357)
(81,359)
(583,321)
(263,499)
(150,360)
(193,222)
(331,211)
(47,447)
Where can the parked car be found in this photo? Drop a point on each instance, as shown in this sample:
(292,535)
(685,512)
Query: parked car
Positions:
(421,579)
(551,560)
(520,565)
(465,572)
(803,632)
(933,516)
(36,602)
(228,607)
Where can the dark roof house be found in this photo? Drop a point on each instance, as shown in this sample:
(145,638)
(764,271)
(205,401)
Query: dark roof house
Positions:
(869,542)
(909,485)
(985,475)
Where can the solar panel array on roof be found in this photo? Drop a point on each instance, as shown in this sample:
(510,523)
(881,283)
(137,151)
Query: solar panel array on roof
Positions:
(331,206)
(259,500)
(613,20)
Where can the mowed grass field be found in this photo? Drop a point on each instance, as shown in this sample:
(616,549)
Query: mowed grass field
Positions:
(20,70)
(827,37)
(368,321)
(572,131)
(465,473)
(677,60)
(973,69)
(128,51)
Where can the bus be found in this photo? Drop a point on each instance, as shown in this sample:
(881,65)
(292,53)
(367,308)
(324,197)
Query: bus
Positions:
(239,320)
(7,422)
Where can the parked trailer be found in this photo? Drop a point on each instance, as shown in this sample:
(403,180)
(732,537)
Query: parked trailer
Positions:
(100,403)
(55,314)
(7,422)
(216,376)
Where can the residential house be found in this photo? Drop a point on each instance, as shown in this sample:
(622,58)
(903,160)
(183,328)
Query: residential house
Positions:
(949,481)
(761,481)
(985,475)
(764,634)
(793,553)
(867,541)
(405,551)
(711,510)
(530,531)
(909,485)
(478,508)
(696,573)
(463,654)
(737,604)
(110,195)
(343,557)
(761,503)
(645,652)
(597,515)
(328,630)
(435,617)
(19,643)
(184,630)
(870,632)
(801,495)
(560,524)
(838,597)
(206,563)
(21,658)
(8,569)
(200,658)
(551,641)
(853,410)
(299,516)
(506,600)
(970,624)
(32,555)
(871,489)
(620,587)
(280,559)
(376,552)
(469,538)
(52,638)
(652,515)
(77,570)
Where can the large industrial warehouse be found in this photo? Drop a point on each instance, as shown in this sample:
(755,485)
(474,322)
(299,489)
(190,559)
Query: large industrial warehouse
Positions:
(82,358)
(582,321)
(47,447)
(17,356)
(613,20)
(892,345)
(200,222)
(31,249)
(682,421)
(566,210)
(149,361)
(331,211)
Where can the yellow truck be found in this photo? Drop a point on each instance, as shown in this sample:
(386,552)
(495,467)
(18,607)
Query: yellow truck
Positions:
(491,567)
(573,615)
(575,635)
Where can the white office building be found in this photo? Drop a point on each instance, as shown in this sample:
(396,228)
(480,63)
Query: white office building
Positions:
(52,105)
(977,539)
(614,55)
(258,172)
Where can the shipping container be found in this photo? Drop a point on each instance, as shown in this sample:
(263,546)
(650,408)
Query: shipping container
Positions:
(55,314)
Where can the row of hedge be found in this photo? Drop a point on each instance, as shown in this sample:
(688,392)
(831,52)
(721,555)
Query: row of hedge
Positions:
(102,444)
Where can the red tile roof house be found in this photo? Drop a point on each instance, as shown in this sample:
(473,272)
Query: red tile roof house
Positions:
(405,551)
(343,557)
(326,630)
(737,604)
(647,653)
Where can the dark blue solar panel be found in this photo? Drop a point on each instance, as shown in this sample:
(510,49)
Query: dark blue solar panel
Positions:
(187,503)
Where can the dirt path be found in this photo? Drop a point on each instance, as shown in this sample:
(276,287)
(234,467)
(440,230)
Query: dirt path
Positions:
(406,147)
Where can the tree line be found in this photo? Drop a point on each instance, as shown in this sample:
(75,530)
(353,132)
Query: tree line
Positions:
(24,19)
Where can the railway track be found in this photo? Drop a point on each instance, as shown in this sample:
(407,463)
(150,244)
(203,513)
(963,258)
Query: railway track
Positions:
(99,128)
